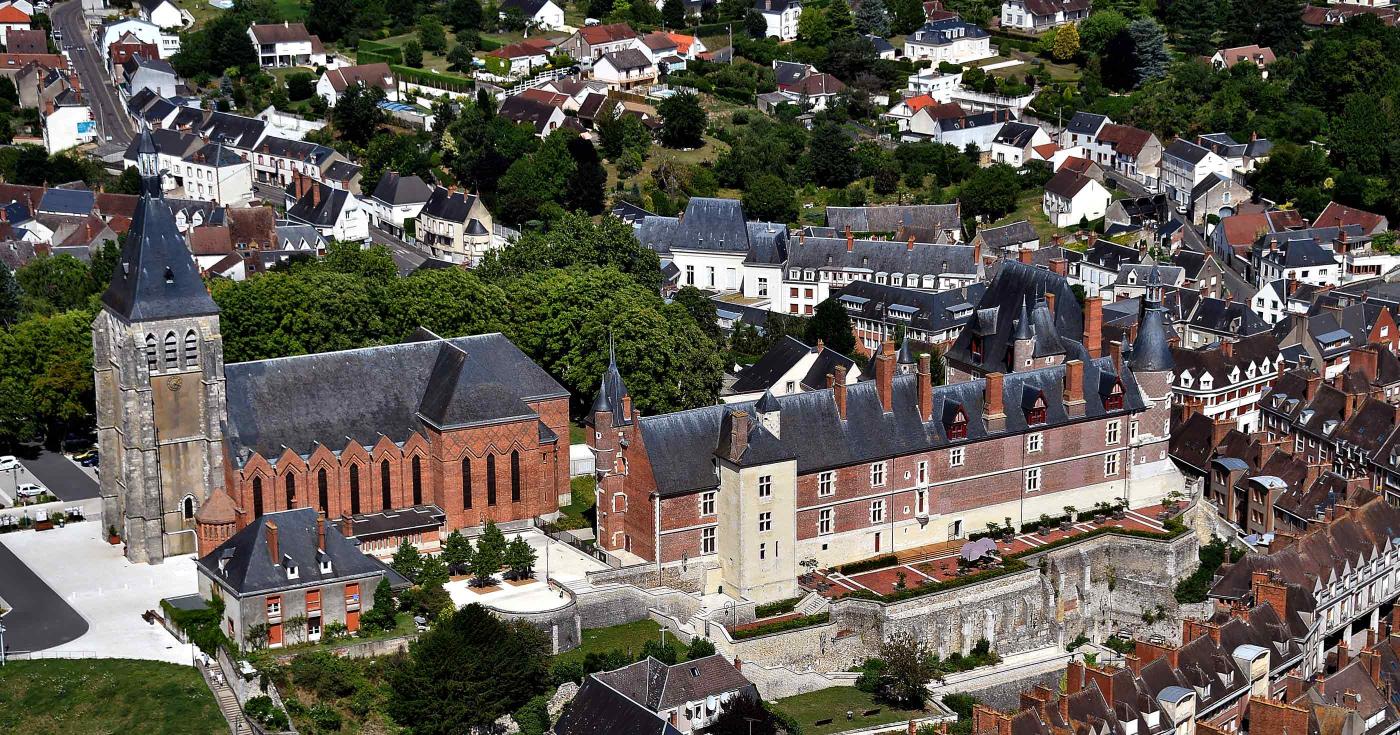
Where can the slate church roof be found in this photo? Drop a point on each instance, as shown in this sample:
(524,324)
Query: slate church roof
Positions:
(299,402)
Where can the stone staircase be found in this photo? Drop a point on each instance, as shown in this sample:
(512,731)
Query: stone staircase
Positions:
(228,703)
(812,604)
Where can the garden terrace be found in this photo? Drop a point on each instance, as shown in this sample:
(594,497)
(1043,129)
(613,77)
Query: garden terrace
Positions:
(931,568)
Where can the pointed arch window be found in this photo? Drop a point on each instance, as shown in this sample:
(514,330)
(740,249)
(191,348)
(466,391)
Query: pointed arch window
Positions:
(188,507)
(466,483)
(322,491)
(514,476)
(490,479)
(1036,413)
(290,483)
(191,349)
(257,497)
(354,489)
(386,495)
(151,364)
(417,480)
(171,354)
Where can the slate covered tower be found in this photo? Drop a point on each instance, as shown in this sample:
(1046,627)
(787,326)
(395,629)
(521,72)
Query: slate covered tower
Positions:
(158,374)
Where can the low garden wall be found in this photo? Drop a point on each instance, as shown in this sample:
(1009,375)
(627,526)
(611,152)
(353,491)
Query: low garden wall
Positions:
(562,624)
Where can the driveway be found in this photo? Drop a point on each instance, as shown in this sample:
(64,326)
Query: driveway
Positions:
(107,108)
(39,618)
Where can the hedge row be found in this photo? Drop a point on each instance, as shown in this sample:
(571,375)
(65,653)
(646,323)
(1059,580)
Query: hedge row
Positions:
(779,607)
(432,78)
(865,565)
(805,621)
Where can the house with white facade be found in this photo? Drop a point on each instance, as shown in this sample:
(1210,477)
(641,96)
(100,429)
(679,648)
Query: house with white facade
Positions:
(780,16)
(1311,256)
(456,225)
(1072,197)
(277,160)
(334,82)
(951,40)
(163,13)
(625,69)
(790,366)
(68,121)
(588,44)
(12,19)
(397,200)
(1186,164)
(1228,380)
(286,44)
(157,75)
(978,130)
(168,42)
(1013,143)
(541,14)
(335,213)
(198,170)
(1036,16)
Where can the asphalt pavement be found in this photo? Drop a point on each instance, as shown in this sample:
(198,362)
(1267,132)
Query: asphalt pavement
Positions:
(65,479)
(39,618)
(106,105)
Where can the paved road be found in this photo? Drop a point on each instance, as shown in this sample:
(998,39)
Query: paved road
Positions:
(61,476)
(406,257)
(1126,184)
(39,619)
(107,107)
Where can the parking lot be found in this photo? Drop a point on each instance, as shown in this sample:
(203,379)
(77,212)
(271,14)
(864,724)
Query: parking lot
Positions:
(55,472)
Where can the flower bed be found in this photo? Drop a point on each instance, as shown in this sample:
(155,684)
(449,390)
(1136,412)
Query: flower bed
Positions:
(780,626)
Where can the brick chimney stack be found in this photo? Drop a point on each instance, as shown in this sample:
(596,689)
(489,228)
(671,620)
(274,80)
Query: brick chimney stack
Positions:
(1059,266)
(925,373)
(910,244)
(1343,654)
(1267,590)
(850,240)
(1074,387)
(1024,256)
(1093,327)
(347,527)
(995,413)
(838,390)
(1366,360)
(270,533)
(884,375)
(738,435)
(321,531)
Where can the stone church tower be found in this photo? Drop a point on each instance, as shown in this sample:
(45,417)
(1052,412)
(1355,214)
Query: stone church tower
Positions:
(158,371)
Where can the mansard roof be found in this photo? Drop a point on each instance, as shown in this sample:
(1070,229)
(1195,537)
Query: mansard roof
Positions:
(996,314)
(249,567)
(681,445)
(880,256)
(357,396)
(715,225)
(922,218)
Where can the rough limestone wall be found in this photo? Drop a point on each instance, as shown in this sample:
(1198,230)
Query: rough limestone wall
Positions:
(617,604)
(1006,695)
(687,577)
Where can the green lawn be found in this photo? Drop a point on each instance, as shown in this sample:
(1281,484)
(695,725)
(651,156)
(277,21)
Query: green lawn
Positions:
(1028,208)
(833,703)
(577,434)
(627,637)
(101,696)
(291,10)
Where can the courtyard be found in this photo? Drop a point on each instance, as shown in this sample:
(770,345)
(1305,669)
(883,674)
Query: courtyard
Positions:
(559,561)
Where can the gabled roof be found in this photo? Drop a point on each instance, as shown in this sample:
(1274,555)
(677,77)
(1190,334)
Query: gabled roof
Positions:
(781,358)
(628,58)
(280,33)
(1016,134)
(598,708)
(396,189)
(1067,184)
(11,14)
(450,205)
(250,569)
(1008,235)
(924,219)
(527,111)
(369,75)
(717,225)
(606,33)
(998,311)
(660,687)
(1085,123)
(1186,151)
(1339,215)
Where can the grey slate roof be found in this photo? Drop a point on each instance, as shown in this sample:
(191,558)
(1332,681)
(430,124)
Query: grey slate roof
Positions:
(782,357)
(933,311)
(298,150)
(661,687)
(996,315)
(881,256)
(67,201)
(450,206)
(628,58)
(341,171)
(396,189)
(156,277)
(1001,238)
(325,213)
(1186,151)
(681,445)
(249,568)
(1085,123)
(1152,349)
(716,225)
(1016,134)
(922,217)
(788,73)
(598,708)
(299,401)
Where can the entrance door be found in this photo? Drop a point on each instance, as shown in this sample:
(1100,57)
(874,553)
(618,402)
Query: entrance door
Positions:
(274,635)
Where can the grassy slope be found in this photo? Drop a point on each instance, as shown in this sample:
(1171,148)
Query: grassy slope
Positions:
(100,696)
(833,703)
(627,637)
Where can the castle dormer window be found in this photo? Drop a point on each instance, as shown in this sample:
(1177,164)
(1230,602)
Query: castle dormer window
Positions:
(1114,400)
(1036,413)
(957,427)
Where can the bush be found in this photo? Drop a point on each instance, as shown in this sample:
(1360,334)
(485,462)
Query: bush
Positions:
(325,718)
(699,648)
(780,626)
(261,709)
(870,672)
(865,565)
(1196,588)
(563,671)
(777,607)
(533,718)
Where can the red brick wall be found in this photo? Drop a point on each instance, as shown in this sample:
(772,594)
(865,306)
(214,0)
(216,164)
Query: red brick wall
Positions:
(544,472)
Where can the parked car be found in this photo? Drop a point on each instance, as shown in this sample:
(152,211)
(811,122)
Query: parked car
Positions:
(80,456)
(91,460)
(30,490)
(9,462)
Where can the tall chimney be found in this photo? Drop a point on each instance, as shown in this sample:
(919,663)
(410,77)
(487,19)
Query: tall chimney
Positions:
(315,194)
(270,533)
(992,402)
(347,527)
(838,390)
(911,243)
(925,374)
(1074,388)
(1343,654)
(1115,350)
(1059,266)
(738,435)
(850,240)
(1093,327)
(1024,256)
(321,531)
(884,375)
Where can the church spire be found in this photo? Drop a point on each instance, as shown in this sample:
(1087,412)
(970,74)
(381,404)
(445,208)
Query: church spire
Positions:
(148,164)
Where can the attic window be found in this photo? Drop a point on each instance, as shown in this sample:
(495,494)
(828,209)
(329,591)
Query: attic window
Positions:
(1036,413)
(290,566)
(975,347)
(169,275)
(957,428)
(325,564)
(695,671)
(1114,400)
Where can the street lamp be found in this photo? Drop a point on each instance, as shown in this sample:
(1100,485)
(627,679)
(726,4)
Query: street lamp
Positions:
(2,644)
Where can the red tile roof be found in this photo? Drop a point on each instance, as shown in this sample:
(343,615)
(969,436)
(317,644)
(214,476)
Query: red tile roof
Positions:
(1337,215)
(609,33)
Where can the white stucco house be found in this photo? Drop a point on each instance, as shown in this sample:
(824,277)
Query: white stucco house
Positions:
(1071,197)
(950,40)
(145,31)
(286,44)
(162,13)
(781,17)
(543,14)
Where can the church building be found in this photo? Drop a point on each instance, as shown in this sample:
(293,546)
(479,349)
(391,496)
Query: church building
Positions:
(463,430)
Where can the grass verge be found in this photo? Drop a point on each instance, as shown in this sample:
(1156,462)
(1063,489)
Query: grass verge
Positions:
(100,696)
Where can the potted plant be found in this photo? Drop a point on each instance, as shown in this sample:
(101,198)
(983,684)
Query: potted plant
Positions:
(1071,513)
(1068,521)
(993,529)
(1045,526)
(112,537)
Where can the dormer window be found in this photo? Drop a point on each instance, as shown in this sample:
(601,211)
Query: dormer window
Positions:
(957,428)
(1036,413)
(1114,400)
(325,563)
(975,347)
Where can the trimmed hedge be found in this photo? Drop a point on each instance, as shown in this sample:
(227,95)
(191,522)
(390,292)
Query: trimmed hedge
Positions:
(777,607)
(806,621)
(432,78)
(865,565)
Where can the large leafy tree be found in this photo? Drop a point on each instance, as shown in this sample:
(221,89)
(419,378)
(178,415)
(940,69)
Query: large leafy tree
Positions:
(466,672)
(673,13)
(449,301)
(830,156)
(1193,24)
(1277,24)
(576,240)
(56,283)
(909,667)
(683,121)
(357,115)
(743,716)
(771,198)
(406,155)
(832,325)
(1149,48)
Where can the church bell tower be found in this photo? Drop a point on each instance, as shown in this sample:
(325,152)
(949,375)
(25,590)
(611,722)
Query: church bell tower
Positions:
(158,374)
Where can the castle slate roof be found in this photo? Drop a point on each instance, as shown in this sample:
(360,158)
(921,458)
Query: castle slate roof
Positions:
(299,402)
(681,445)
(661,687)
(249,568)
(999,307)
(716,225)
(924,218)
(600,708)
(933,311)
(156,276)
(880,256)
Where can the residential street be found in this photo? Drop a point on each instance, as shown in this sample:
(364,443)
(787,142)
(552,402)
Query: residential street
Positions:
(106,105)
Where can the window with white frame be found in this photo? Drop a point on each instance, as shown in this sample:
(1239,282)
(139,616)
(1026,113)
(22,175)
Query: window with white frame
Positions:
(1132,431)
(877,511)
(824,521)
(1034,442)
(1110,465)
(956,456)
(1110,433)
(707,503)
(707,540)
(765,486)
(826,484)
(921,501)
(921,472)
(877,474)
(765,522)
(1033,480)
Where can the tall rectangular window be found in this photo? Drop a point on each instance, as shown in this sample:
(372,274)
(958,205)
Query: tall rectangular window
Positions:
(417,480)
(877,511)
(826,483)
(1033,480)
(765,486)
(824,521)
(1110,465)
(922,472)
(322,492)
(386,496)
(514,476)
(956,455)
(765,522)
(466,483)
(1033,442)
(490,479)
(707,540)
(1110,436)
(707,503)
(354,489)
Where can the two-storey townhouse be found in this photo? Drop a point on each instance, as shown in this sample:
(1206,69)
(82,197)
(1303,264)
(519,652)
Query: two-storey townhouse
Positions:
(456,226)
(1227,379)
(951,40)
(1186,164)
(1036,16)
(286,44)
(276,161)
(818,266)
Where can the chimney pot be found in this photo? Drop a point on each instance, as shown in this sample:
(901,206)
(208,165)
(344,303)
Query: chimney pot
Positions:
(270,533)
(884,375)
